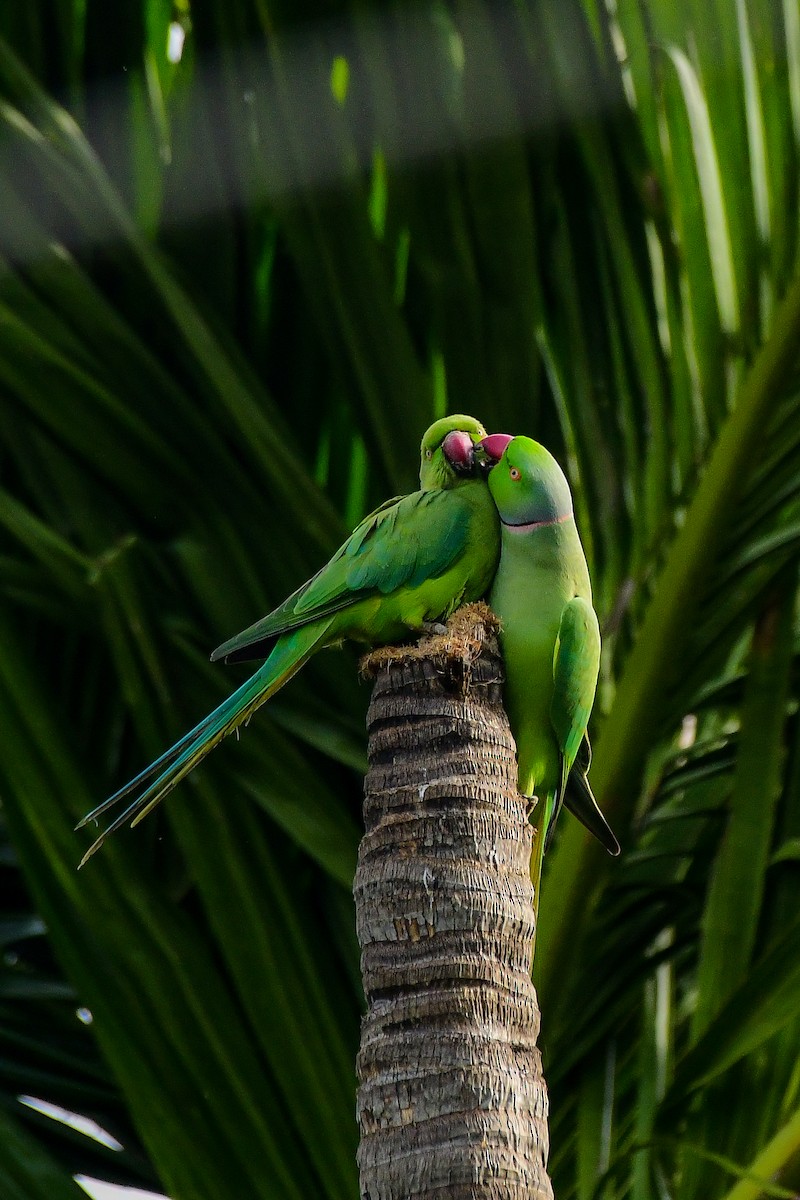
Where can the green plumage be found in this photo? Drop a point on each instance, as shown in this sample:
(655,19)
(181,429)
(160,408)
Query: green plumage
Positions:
(407,563)
(411,562)
(550,635)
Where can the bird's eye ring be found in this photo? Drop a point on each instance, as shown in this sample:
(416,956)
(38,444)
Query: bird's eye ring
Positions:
(514,472)
(429,453)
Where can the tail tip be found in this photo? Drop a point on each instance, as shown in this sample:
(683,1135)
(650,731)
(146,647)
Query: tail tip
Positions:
(88,855)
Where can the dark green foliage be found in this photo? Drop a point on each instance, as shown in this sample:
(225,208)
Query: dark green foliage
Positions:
(233,294)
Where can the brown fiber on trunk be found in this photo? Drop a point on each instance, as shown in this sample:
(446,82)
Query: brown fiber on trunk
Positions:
(451,1102)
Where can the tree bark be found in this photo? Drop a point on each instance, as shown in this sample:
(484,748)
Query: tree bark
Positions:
(451,1102)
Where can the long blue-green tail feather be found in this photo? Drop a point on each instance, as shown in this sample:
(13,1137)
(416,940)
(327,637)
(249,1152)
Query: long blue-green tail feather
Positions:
(163,761)
(580,801)
(555,802)
(543,825)
(288,656)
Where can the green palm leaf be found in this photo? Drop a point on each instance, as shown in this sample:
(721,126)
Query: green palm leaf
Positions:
(232,295)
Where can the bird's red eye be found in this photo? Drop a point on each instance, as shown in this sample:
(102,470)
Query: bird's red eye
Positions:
(514,472)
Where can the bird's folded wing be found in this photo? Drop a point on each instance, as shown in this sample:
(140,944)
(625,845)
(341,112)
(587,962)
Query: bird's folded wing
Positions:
(400,544)
(575,666)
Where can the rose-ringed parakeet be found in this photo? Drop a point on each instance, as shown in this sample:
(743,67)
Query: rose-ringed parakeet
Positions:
(409,564)
(550,635)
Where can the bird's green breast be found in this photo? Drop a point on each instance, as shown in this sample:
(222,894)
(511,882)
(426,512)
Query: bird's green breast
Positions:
(540,571)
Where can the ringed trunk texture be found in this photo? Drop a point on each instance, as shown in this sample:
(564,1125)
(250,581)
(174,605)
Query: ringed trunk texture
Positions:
(451,1103)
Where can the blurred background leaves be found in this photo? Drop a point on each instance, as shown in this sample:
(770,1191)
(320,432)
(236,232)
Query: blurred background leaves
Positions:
(248,250)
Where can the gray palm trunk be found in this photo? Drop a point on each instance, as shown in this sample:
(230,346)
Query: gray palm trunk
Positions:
(452,1102)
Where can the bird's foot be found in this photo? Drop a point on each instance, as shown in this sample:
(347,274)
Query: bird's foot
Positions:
(532,801)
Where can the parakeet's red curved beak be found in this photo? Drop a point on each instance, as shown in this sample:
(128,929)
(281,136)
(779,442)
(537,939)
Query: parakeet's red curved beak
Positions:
(459,450)
(494,446)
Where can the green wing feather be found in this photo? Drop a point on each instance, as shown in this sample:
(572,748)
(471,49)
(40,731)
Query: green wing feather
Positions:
(576,663)
(401,544)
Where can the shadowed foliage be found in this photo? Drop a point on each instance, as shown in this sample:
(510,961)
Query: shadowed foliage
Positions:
(234,290)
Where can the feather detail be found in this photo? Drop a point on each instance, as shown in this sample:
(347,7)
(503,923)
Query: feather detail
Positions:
(289,655)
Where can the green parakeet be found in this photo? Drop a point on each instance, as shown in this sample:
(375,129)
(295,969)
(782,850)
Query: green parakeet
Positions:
(411,562)
(550,636)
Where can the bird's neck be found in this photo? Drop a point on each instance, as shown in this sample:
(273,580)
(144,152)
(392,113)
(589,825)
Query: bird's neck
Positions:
(516,528)
(543,542)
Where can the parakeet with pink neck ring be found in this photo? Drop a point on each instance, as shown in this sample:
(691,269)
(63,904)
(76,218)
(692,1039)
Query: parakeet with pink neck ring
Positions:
(550,635)
(408,565)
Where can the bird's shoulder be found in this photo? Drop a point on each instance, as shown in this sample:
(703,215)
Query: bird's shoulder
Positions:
(403,542)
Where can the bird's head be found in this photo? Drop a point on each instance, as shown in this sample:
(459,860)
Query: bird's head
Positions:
(447,454)
(527,484)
